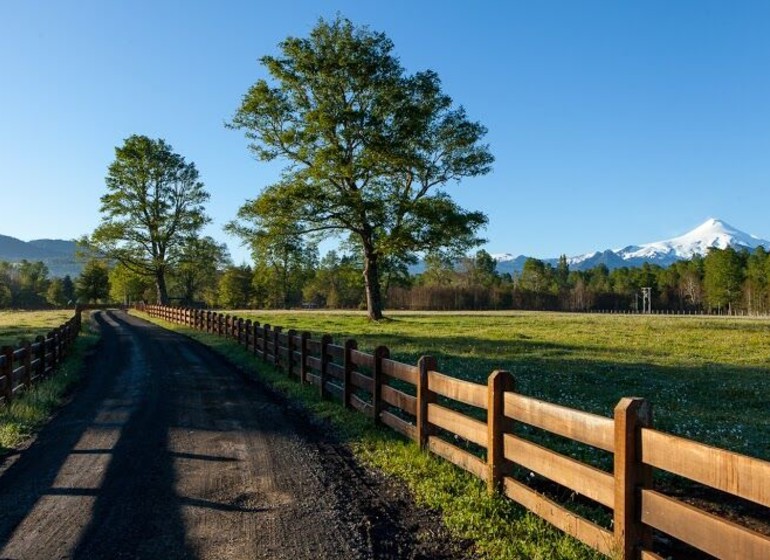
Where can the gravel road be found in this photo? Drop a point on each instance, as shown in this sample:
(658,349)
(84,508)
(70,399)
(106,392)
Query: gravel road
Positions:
(168,452)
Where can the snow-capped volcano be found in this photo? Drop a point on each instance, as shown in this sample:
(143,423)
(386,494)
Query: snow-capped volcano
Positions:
(711,233)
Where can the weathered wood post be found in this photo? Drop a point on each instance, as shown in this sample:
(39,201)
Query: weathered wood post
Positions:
(290,345)
(248,332)
(303,357)
(27,375)
(265,338)
(40,340)
(7,372)
(240,332)
(277,346)
(255,332)
(347,388)
(424,397)
(326,340)
(498,383)
(380,353)
(631,475)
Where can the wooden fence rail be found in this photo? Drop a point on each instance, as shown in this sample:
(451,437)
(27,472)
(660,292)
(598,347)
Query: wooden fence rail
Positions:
(31,362)
(417,401)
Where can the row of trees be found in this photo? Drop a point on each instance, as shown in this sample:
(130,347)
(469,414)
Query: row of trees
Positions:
(724,281)
(26,285)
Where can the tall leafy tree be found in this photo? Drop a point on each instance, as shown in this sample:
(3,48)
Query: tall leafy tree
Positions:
(154,202)
(723,277)
(235,289)
(368,147)
(93,285)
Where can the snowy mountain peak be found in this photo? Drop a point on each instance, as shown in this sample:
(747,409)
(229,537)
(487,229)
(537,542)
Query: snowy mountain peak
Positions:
(711,233)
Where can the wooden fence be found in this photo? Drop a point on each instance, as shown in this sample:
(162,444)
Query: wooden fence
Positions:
(416,401)
(30,362)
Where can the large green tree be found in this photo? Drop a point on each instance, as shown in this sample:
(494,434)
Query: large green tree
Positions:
(154,202)
(93,285)
(368,147)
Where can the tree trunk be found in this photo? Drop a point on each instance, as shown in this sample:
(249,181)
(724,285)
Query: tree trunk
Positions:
(372,285)
(160,285)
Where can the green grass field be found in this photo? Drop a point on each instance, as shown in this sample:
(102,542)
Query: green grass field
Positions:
(706,377)
(17,325)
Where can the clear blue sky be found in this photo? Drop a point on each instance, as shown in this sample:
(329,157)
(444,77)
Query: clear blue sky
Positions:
(611,122)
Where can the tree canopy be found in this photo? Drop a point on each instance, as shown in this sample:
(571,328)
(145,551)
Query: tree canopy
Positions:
(368,150)
(153,205)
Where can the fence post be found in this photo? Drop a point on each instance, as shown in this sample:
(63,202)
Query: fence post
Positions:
(424,397)
(303,357)
(265,338)
(40,339)
(240,332)
(326,340)
(347,387)
(254,339)
(228,326)
(27,376)
(498,383)
(380,353)
(221,324)
(277,346)
(8,373)
(58,342)
(290,352)
(248,331)
(631,414)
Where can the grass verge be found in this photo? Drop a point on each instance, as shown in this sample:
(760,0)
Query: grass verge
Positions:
(499,528)
(31,409)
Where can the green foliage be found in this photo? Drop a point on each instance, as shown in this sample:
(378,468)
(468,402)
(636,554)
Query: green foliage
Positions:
(93,285)
(336,283)
(283,265)
(723,276)
(127,286)
(196,274)
(235,288)
(153,205)
(368,149)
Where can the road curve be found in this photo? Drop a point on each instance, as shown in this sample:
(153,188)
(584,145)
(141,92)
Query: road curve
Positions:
(167,452)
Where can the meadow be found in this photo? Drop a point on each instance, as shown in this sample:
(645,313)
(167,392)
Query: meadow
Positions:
(17,325)
(706,377)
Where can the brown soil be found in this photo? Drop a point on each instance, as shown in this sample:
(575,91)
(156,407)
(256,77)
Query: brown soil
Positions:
(168,452)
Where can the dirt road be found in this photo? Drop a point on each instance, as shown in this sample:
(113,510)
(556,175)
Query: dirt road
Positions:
(168,452)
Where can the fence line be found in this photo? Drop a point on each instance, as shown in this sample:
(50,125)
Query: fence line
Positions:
(31,362)
(415,400)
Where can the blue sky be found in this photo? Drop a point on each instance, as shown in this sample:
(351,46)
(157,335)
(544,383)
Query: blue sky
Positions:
(611,122)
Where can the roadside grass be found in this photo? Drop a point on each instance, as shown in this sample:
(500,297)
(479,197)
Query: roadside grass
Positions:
(31,409)
(499,528)
(18,325)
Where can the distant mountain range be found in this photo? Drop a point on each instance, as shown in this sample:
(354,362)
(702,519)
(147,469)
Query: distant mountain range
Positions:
(711,233)
(57,254)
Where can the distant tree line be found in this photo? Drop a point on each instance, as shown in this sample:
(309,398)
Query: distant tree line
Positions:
(292,275)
